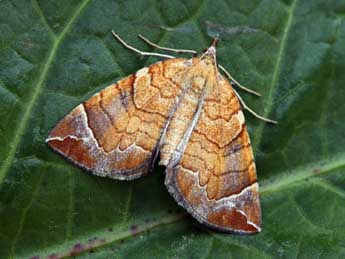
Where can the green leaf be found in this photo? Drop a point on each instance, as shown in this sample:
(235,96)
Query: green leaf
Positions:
(56,54)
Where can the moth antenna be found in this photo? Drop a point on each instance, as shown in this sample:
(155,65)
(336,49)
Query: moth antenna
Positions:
(142,53)
(253,112)
(237,83)
(165,48)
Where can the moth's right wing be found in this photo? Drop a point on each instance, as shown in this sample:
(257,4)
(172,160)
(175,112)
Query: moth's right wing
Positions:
(117,131)
(214,177)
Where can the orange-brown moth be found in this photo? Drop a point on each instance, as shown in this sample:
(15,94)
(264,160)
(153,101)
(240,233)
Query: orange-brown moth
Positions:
(186,111)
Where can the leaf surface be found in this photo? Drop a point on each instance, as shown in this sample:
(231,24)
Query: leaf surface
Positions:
(56,54)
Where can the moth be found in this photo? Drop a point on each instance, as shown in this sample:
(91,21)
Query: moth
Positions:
(185,112)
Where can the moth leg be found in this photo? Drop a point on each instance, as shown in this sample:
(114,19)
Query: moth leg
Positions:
(237,83)
(165,48)
(253,112)
(143,53)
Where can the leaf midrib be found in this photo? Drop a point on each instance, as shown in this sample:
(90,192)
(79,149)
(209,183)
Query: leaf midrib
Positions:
(37,90)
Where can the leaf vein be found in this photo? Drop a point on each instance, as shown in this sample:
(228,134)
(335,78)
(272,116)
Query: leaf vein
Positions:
(276,74)
(329,187)
(70,212)
(299,174)
(23,217)
(36,92)
(43,19)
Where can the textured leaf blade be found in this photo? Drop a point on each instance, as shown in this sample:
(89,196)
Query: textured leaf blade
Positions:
(57,54)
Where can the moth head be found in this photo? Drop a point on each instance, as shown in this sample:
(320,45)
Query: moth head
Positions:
(209,55)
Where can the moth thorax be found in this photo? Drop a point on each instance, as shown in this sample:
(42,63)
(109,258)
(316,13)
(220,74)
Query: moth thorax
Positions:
(198,82)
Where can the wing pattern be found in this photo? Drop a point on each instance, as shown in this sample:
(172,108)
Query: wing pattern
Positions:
(188,112)
(117,131)
(215,176)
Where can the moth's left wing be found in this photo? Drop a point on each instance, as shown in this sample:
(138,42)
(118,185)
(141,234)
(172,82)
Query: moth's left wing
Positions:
(116,132)
(215,176)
